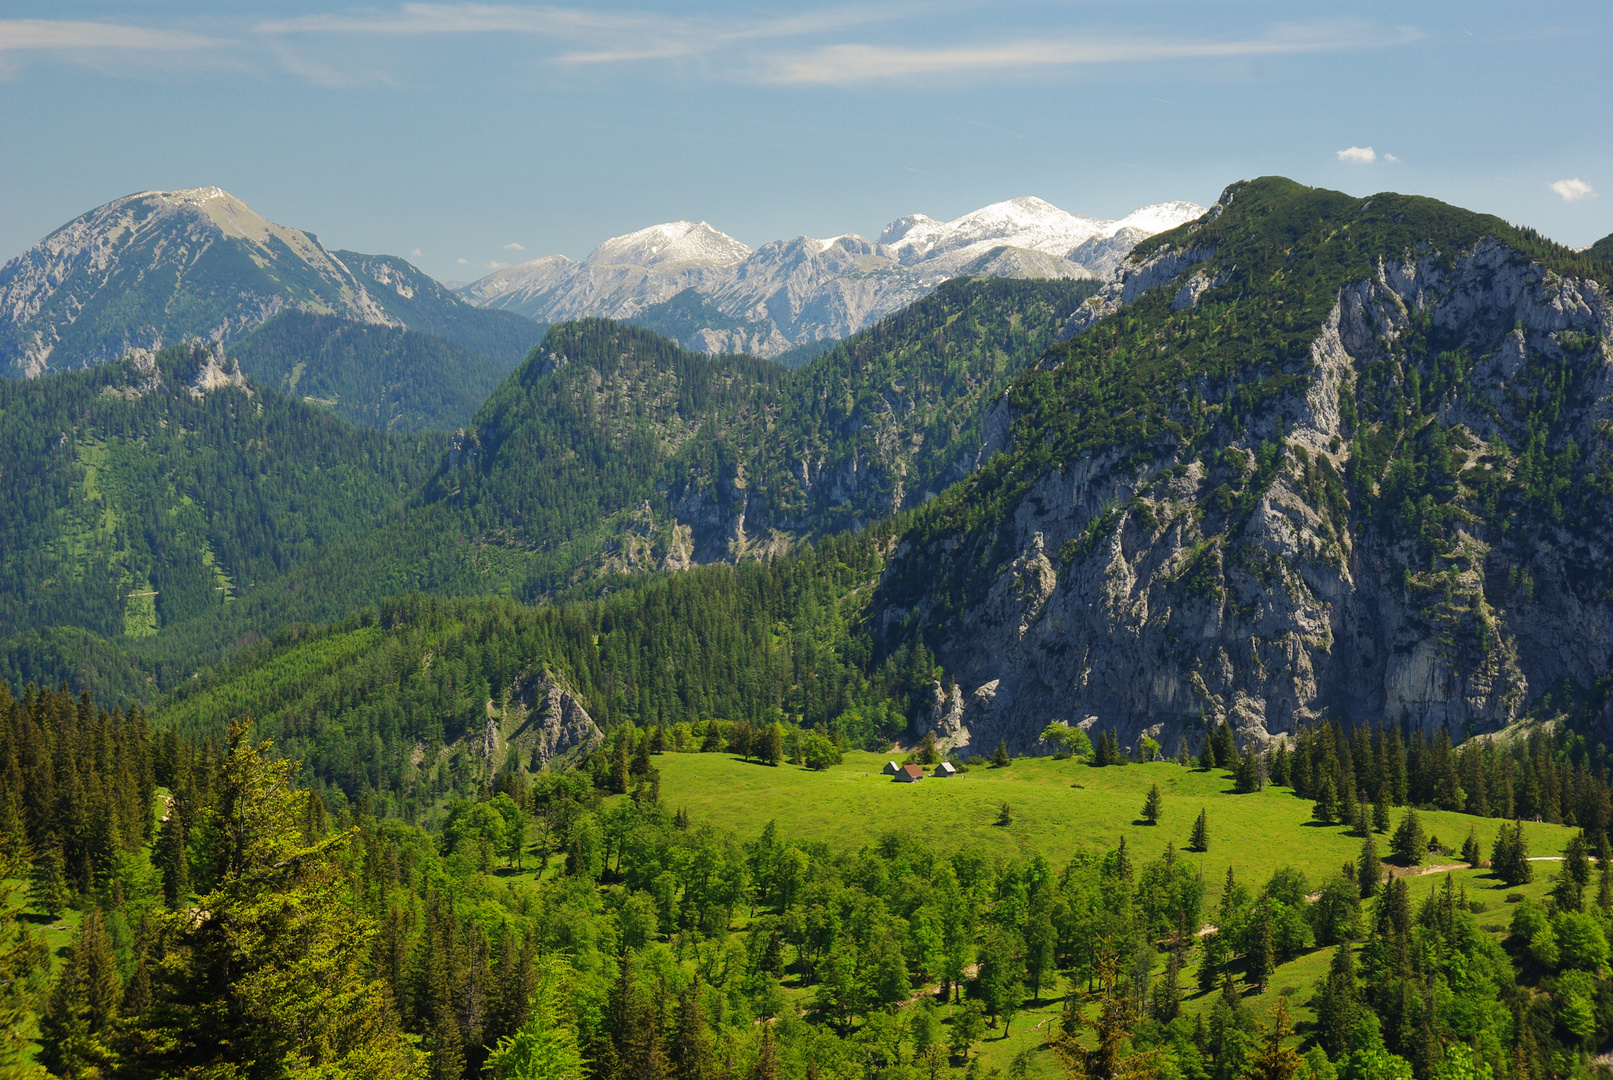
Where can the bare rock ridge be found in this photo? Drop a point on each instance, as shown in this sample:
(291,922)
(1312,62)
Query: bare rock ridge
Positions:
(540,723)
(1247,570)
(159,267)
(792,292)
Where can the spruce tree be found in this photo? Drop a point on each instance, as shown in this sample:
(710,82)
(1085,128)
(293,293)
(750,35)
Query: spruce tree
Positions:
(1207,752)
(279,975)
(1277,1061)
(1472,851)
(1338,1006)
(641,752)
(1326,809)
(47,886)
(1103,754)
(173,861)
(1263,951)
(545,1045)
(77,1026)
(711,741)
(1153,805)
(1183,757)
(1573,875)
(1380,816)
(1226,745)
(1368,870)
(1167,1003)
(766,1067)
(999,756)
(1200,839)
(1410,843)
(1212,962)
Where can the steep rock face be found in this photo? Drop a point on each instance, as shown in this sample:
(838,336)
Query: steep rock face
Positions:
(544,724)
(1412,524)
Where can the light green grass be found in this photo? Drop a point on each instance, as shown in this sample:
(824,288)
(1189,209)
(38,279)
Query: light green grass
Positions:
(1059,808)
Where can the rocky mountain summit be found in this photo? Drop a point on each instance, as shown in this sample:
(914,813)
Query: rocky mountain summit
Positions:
(158,267)
(1312,455)
(793,292)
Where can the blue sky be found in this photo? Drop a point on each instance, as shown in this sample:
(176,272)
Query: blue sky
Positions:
(492,133)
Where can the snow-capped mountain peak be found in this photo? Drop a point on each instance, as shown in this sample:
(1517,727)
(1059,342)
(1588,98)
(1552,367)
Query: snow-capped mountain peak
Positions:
(672,243)
(808,289)
(1156,218)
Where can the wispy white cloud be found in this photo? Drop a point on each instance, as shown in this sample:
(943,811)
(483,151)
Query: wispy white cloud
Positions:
(514,247)
(1358,155)
(59,35)
(855,63)
(594,37)
(415,253)
(1572,190)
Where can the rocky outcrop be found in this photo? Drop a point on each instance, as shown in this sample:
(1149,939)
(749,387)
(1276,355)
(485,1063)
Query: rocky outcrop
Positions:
(1128,602)
(543,724)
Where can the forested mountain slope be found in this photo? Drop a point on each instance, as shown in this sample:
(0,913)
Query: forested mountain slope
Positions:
(1313,455)
(382,377)
(148,491)
(705,459)
(613,450)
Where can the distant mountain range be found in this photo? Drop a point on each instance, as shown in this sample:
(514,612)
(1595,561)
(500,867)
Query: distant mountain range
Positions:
(713,294)
(159,267)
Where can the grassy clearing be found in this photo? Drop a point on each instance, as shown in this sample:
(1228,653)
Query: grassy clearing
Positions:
(1059,808)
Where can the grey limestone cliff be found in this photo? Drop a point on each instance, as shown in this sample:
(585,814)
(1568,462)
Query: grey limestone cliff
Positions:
(1123,599)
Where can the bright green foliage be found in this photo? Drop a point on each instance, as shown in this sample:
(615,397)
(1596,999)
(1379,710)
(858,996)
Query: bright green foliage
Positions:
(24,964)
(545,1048)
(1069,740)
(276,979)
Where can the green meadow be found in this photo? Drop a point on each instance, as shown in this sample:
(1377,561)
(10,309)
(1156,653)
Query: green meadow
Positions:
(1059,808)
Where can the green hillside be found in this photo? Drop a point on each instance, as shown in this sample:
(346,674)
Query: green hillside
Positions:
(612,450)
(146,492)
(380,377)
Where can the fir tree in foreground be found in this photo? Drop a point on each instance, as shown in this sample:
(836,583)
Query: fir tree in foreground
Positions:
(999,756)
(278,975)
(1200,839)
